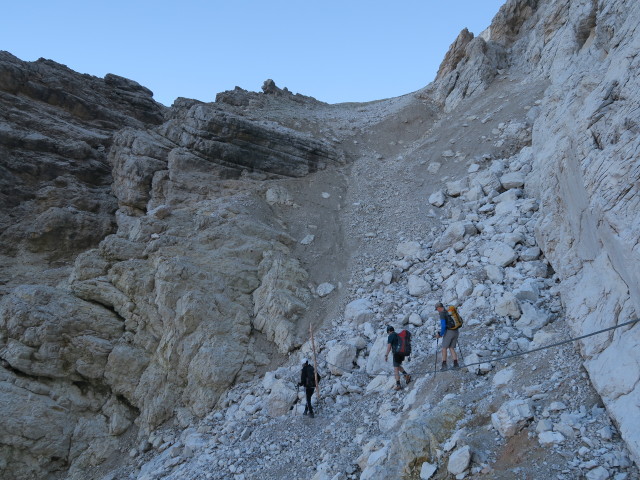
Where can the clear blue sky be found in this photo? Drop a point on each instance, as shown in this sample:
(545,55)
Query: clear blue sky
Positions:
(335,51)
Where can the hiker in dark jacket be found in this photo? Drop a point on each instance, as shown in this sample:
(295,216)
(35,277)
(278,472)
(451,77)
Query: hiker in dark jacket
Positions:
(449,337)
(308,381)
(398,358)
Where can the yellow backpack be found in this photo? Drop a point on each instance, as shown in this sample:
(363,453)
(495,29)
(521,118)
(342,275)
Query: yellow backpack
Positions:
(455,316)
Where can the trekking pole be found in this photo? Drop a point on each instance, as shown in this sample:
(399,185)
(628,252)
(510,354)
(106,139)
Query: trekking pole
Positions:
(435,361)
(460,350)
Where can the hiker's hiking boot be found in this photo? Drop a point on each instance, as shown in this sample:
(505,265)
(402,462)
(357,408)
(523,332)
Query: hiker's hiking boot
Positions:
(407,378)
(455,365)
(444,366)
(311,414)
(397,387)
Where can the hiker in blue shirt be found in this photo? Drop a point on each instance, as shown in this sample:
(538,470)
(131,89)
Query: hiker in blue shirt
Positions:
(392,344)
(449,336)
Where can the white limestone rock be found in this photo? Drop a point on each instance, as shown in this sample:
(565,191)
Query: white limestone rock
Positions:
(503,377)
(325,289)
(598,473)
(375,360)
(508,306)
(494,273)
(452,234)
(544,425)
(532,319)
(511,417)
(279,195)
(427,470)
(459,460)
(280,398)
(475,364)
(415,320)
(341,357)
(464,287)
(437,199)
(512,180)
(308,239)
(456,188)
(358,311)
(417,286)
(550,438)
(408,249)
(280,298)
(502,255)
(434,167)
(487,180)
(528,291)
(530,254)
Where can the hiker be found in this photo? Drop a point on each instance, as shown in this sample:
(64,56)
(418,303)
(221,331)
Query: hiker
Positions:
(398,358)
(448,335)
(308,381)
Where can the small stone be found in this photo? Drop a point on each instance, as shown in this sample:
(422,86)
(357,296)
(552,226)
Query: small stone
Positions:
(437,199)
(550,438)
(325,289)
(433,167)
(459,460)
(427,470)
(544,425)
(415,320)
(512,180)
(598,473)
(307,240)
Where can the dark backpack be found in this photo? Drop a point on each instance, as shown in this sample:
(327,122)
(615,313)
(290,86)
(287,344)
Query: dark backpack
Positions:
(449,322)
(309,377)
(404,343)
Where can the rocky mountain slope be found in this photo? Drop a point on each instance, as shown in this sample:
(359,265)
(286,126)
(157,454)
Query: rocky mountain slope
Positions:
(162,267)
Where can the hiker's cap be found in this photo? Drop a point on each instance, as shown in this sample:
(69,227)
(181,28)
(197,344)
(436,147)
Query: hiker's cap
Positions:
(438,305)
(305,361)
(389,328)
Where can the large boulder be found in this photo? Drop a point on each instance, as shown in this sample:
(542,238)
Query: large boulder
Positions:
(375,360)
(280,399)
(341,357)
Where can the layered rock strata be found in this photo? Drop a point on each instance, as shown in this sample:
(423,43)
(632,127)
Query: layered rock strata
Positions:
(188,278)
(190,269)
(56,127)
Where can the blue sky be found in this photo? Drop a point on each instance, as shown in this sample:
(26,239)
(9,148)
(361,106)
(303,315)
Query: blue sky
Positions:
(335,51)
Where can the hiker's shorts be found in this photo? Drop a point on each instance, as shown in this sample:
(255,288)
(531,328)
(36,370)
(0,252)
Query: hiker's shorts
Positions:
(450,339)
(397,359)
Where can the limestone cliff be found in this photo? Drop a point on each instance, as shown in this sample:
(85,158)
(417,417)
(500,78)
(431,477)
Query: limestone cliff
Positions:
(585,165)
(161,265)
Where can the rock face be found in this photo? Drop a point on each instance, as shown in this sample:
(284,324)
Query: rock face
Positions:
(55,131)
(585,147)
(585,162)
(160,266)
(186,275)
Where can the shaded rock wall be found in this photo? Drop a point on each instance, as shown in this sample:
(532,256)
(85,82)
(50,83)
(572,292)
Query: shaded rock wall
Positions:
(56,127)
(176,278)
